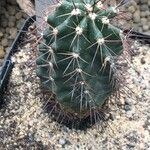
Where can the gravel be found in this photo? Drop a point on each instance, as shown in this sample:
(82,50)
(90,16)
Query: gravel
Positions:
(11,20)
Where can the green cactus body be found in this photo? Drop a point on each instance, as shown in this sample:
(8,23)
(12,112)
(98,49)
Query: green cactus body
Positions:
(76,55)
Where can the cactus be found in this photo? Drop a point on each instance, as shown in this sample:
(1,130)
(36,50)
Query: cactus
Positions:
(76,58)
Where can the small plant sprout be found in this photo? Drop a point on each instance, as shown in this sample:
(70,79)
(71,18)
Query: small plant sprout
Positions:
(77,57)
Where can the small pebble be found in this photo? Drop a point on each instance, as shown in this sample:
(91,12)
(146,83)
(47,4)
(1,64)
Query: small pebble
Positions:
(145,27)
(62,141)
(12,19)
(131,9)
(142,60)
(11,9)
(13,33)
(4,23)
(136,16)
(11,24)
(4,42)
(127,108)
(20,23)
(18,15)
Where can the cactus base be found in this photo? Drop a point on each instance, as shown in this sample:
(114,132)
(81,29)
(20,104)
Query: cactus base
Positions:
(70,119)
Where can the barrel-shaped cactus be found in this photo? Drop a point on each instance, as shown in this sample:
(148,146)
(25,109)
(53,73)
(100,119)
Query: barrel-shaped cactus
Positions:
(77,55)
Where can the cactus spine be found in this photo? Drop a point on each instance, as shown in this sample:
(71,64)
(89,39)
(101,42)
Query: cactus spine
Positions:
(77,55)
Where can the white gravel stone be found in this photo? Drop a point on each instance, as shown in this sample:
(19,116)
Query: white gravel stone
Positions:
(62,141)
(10,16)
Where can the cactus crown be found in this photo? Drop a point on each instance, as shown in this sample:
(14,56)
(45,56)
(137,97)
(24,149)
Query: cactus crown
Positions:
(77,55)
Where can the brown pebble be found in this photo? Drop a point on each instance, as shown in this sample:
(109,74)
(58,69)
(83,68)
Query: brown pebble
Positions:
(143,60)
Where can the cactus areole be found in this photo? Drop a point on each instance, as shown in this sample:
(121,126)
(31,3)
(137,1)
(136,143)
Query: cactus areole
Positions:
(77,53)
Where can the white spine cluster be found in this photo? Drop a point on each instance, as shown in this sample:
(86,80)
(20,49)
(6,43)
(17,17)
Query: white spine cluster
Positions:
(79,70)
(92,16)
(79,30)
(75,12)
(75,55)
(82,82)
(101,41)
(55,31)
(105,20)
(99,5)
